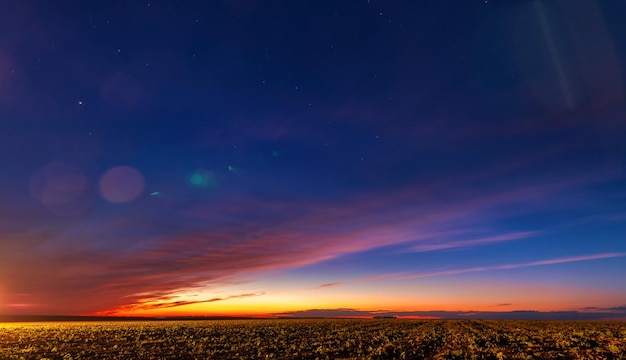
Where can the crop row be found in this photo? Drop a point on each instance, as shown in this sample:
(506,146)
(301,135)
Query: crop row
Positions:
(315,339)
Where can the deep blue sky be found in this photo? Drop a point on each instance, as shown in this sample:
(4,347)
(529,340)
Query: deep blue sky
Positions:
(256,157)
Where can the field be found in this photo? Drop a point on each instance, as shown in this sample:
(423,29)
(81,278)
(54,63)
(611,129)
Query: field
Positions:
(314,339)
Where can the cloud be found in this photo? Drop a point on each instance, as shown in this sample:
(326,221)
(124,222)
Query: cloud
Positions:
(443,245)
(615,309)
(327,285)
(211,245)
(439,314)
(119,259)
(167,303)
(514,266)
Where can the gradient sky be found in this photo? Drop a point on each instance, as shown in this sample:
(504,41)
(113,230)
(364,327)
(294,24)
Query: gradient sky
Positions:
(257,157)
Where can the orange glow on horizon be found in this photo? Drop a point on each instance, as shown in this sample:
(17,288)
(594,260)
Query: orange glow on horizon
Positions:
(421,297)
(264,311)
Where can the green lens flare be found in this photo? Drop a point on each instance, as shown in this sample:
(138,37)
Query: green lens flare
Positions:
(202,178)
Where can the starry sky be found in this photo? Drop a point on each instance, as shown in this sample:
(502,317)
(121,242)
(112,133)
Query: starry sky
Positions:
(313,158)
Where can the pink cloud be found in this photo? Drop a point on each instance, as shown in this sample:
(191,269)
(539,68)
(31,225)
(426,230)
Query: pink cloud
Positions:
(136,259)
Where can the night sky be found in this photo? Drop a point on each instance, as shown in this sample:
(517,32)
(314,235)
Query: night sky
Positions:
(313,158)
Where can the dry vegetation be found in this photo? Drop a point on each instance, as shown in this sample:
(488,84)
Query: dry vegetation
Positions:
(314,339)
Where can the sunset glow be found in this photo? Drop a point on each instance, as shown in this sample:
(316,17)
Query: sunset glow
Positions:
(315,159)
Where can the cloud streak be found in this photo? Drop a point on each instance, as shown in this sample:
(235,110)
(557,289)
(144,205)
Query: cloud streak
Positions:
(514,266)
(328,285)
(165,303)
(424,247)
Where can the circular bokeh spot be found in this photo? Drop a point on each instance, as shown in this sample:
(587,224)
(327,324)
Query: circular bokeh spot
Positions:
(59,187)
(199,179)
(121,184)
(202,178)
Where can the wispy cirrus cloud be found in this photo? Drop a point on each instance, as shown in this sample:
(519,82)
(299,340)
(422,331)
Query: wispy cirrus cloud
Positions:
(443,245)
(514,266)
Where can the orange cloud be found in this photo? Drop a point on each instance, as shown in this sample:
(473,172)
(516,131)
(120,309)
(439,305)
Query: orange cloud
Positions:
(166,302)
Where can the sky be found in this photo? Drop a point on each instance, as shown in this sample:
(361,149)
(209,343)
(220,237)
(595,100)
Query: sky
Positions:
(313,158)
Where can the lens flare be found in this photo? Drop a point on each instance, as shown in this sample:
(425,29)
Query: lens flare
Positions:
(121,184)
(202,178)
